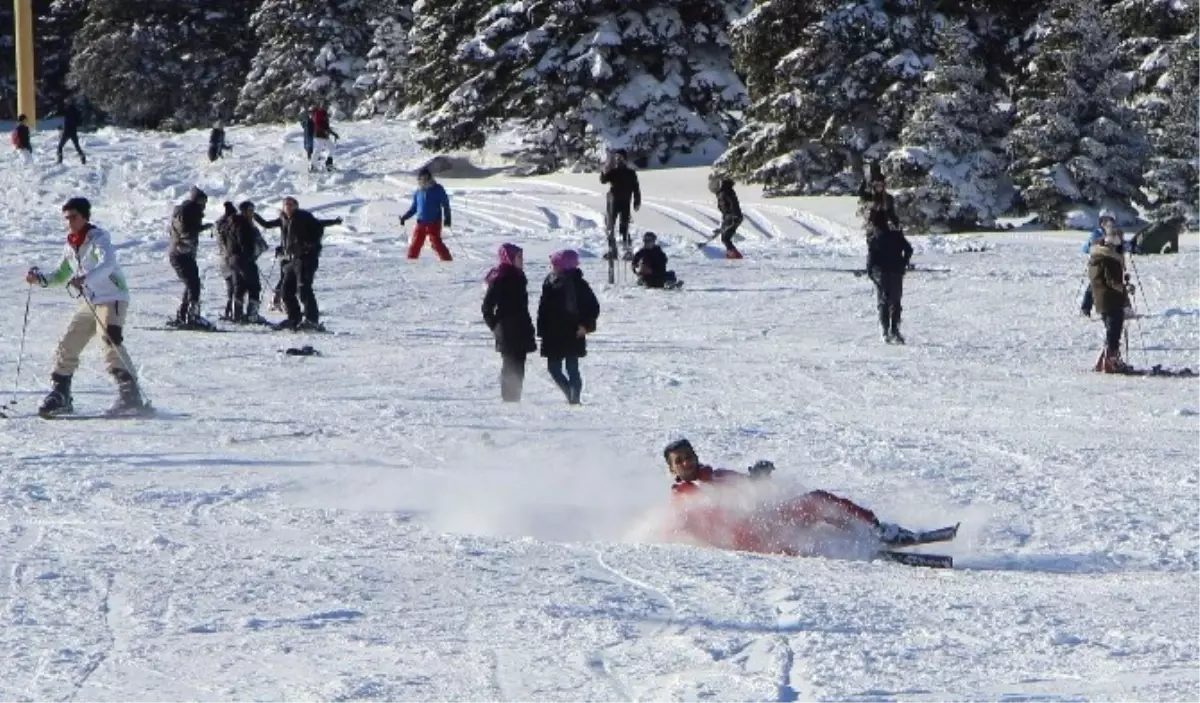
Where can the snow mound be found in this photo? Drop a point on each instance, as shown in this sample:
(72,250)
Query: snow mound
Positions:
(444,166)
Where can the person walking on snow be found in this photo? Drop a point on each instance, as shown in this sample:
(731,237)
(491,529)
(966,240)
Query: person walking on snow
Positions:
(243,243)
(506,312)
(216,143)
(299,250)
(306,124)
(186,226)
(21,142)
(650,264)
(731,215)
(321,143)
(431,205)
(622,189)
(888,254)
(1107,223)
(70,131)
(567,313)
(1110,292)
(89,265)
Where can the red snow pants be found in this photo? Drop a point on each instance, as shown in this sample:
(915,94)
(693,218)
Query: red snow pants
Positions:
(433,230)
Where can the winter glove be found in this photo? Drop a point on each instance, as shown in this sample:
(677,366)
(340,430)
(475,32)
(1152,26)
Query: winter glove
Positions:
(402,221)
(337,221)
(35,276)
(761,469)
(278,252)
(76,282)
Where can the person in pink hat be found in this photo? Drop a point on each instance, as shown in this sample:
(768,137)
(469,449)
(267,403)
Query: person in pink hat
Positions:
(506,312)
(567,313)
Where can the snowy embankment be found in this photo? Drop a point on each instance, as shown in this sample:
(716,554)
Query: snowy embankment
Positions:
(373,523)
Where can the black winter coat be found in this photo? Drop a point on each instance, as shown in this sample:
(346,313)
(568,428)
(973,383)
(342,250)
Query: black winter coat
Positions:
(187,222)
(301,234)
(888,250)
(727,203)
(654,258)
(240,239)
(506,312)
(622,185)
(567,303)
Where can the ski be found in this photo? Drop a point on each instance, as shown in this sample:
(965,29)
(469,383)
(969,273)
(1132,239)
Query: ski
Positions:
(166,328)
(1159,371)
(148,413)
(912,539)
(931,561)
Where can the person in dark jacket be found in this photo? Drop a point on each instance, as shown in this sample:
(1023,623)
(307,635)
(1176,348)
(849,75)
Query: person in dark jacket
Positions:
(21,142)
(299,252)
(650,264)
(243,244)
(567,313)
(187,222)
(888,254)
(623,189)
(731,215)
(70,131)
(306,124)
(878,205)
(1110,294)
(223,226)
(216,143)
(506,312)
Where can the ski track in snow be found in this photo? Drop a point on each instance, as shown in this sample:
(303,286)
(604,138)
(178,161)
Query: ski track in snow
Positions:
(373,524)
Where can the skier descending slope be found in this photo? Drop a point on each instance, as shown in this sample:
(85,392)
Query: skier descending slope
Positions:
(734,510)
(89,265)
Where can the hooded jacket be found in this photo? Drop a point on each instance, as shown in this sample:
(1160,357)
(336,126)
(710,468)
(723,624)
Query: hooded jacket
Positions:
(96,261)
(1106,272)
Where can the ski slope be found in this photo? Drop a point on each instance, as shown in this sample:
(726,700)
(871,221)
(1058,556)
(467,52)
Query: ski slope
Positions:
(374,524)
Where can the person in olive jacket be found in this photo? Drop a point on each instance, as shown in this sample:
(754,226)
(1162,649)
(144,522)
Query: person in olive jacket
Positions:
(1110,293)
(506,312)
(567,313)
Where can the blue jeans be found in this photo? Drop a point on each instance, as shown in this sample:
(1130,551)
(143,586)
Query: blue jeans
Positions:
(571,384)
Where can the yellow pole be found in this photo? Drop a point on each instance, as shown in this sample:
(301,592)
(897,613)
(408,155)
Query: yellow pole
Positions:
(26,88)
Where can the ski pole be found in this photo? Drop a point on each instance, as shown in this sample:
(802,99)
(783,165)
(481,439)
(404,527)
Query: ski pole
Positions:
(1138,281)
(10,405)
(120,348)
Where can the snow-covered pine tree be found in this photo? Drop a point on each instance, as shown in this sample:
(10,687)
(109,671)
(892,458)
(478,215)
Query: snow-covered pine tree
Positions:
(842,90)
(1172,121)
(1074,140)
(651,77)
(57,23)
(381,83)
(165,63)
(946,173)
(310,51)
(8,65)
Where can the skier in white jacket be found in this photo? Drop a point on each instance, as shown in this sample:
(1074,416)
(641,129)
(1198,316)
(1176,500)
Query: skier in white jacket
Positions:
(89,266)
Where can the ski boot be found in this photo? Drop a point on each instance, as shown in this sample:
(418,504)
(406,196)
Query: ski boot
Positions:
(252,315)
(195,321)
(886,323)
(129,402)
(58,401)
(310,326)
(897,338)
(733,254)
(328,163)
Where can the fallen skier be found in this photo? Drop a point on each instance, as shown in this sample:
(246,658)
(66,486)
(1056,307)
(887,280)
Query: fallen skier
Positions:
(744,512)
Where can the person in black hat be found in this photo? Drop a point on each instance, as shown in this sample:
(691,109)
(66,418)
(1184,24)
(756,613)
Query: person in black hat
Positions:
(650,264)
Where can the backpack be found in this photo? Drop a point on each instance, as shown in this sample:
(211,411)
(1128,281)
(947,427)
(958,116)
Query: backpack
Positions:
(320,122)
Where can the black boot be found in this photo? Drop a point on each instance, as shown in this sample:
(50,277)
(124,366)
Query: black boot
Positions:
(885,323)
(58,401)
(130,400)
(239,315)
(895,325)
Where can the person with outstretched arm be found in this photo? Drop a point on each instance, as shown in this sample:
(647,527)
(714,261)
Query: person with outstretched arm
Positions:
(299,252)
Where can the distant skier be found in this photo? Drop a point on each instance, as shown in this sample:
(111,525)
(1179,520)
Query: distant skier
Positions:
(243,244)
(650,264)
(322,132)
(431,205)
(216,143)
(1107,223)
(567,313)
(300,255)
(70,131)
(1110,290)
(89,266)
(731,215)
(21,142)
(623,189)
(888,254)
(186,226)
(506,312)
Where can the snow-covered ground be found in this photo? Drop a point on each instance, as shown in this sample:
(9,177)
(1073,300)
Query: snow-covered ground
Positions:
(373,523)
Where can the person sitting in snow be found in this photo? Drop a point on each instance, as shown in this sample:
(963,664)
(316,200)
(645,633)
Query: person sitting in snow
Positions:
(731,214)
(216,143)
(1107,223)
(758,533)
(1110,289)
(650,264)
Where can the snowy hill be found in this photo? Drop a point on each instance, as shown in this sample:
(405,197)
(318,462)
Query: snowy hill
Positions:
(373,523)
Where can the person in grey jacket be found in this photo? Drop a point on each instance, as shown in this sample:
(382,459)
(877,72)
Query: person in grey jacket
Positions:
(186,225)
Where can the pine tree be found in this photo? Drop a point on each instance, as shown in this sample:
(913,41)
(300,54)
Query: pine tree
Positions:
(167,63)
(842,90)
(381,83)
(946,171)
(654,78)
(1074,140)
(310,52)
(57,23)
(8,64)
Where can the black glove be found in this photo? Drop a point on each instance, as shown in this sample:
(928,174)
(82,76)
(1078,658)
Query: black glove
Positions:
(402,221)
(448,222)
(761,469)
(337,221)
(278,252)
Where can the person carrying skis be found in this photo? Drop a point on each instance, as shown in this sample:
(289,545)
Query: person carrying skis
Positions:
(765,530)
(243,244)
(216,143)
(1111,289)
(506,312)
(567,313)
(888,254)
(1107,223)
(70,131)
(431,205)
(89,265)
(299,250)
(731,214)
(650,264)
(321,139)
(21,142)
(623,189)
(186,226)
